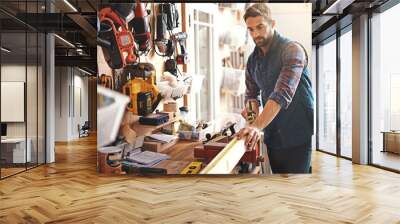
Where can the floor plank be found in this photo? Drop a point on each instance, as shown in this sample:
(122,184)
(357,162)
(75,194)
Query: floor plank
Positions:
(71,191)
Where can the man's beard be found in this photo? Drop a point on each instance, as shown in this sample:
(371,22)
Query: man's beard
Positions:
(264,41)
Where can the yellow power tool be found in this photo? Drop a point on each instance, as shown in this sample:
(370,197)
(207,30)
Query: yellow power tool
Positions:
(141,88)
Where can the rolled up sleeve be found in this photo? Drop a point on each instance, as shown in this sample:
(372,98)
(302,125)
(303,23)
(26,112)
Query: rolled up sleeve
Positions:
(293,62)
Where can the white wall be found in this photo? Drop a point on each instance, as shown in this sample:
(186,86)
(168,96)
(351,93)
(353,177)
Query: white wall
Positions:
(14,73)
(294,21)
(71,94)
(34,125)
(61,103)
(80,102)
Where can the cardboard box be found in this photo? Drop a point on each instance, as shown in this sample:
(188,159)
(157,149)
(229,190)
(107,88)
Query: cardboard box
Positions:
(171,107)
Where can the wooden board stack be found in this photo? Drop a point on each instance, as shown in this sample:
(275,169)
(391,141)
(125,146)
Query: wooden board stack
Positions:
(210,150)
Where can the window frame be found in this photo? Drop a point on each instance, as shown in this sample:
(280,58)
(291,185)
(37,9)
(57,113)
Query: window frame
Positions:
(334,37)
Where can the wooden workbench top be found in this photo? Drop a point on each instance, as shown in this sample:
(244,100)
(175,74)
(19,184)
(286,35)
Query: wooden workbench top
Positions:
(181,155)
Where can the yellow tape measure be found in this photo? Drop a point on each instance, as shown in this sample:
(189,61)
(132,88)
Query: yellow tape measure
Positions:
(192,168)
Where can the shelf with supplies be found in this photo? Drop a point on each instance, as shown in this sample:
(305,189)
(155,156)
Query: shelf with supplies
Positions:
(145,130)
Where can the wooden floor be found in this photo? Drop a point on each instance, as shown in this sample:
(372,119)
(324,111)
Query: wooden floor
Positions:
(10,171)
(5,172)
(70,191)
(387,159)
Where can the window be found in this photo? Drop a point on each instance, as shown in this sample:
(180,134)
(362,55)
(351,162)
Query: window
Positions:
(22,74)
(327,96)
(346,94)
(385,86)
(203,59)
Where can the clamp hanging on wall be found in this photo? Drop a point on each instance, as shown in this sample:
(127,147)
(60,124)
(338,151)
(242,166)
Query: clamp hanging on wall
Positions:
(115,39)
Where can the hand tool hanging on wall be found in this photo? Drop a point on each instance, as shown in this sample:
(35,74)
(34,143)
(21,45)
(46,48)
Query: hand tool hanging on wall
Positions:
(141,88)
(167,20)
(172,16)
(183,57)
(115,39)
(140,27)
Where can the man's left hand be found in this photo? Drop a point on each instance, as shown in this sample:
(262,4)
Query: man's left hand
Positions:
(252,135)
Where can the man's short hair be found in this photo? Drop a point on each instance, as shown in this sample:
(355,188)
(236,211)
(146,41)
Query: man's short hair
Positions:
(258,9)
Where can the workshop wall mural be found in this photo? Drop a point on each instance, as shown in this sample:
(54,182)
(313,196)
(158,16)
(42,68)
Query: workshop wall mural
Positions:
(173,91)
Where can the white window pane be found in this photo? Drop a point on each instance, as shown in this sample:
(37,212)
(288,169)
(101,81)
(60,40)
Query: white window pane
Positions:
(385,83)
(327,97)
(346,93)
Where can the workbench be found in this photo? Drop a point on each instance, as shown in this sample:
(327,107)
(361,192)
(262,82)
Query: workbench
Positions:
(182,154)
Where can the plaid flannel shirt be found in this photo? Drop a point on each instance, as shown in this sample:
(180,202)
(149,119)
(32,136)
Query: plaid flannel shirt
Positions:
(293,62)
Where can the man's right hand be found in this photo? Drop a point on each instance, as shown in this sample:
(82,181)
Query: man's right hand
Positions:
(251,135)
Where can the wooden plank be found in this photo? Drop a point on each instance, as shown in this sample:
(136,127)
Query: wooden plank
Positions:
(248,156)
(158,146)
(227,159)
(215,146)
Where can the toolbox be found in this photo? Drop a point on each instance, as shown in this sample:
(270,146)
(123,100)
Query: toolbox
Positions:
(154,119)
